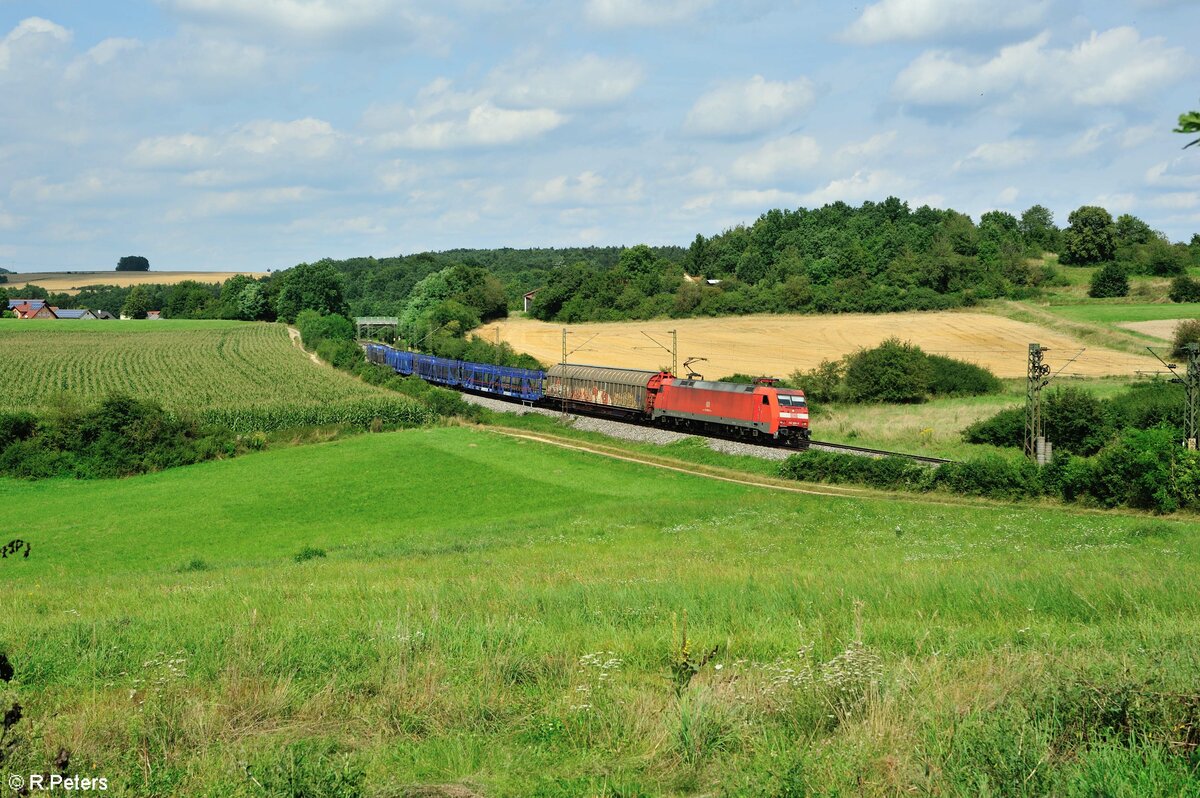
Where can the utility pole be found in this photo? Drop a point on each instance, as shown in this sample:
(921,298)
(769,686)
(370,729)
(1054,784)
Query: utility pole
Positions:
(1191,387)
(1191,391)
(564,346)
(1035,430)
(674,350)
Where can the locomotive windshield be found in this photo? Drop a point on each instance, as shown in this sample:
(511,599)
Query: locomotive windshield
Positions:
(791,400)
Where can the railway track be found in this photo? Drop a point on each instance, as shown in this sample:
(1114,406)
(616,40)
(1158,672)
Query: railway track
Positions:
(738,437)
(745,443)
(841,447)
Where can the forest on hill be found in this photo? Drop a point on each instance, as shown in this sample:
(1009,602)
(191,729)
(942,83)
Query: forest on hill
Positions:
(875,258)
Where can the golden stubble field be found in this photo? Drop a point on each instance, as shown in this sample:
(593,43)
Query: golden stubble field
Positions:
(70,282)
(1161,328)
(778,345)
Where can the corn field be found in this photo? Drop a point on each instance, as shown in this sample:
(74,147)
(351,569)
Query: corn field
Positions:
(244,375)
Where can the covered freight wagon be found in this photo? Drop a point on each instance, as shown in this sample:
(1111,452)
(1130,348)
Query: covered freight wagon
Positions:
(630,390)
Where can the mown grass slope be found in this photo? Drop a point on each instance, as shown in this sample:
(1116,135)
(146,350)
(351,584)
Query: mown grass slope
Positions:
(247,375)
(508,617)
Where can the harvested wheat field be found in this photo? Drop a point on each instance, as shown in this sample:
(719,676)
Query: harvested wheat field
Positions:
(70,282)
(778,345)
(1160,328)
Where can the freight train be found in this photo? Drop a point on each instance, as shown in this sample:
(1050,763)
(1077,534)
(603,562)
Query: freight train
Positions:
(760,412)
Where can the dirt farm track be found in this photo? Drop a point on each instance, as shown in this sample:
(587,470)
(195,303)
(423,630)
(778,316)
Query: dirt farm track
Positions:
(70,282)
(778,345)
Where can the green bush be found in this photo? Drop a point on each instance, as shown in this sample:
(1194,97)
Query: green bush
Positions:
(894,371)
(1006,428)
(950,377)
(442,402)
(1186,332)
(315,328)
(1075,420)
(991,476)
(891,372)
(1184,289)
(825,383)
(1147,404)
(1109,281)
(835,468)
(16,427)
(121,437)
(340,353)
(1140,470)
(309,553)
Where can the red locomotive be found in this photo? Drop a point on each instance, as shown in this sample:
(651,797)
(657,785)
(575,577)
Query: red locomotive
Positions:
(759,411)
(756,411)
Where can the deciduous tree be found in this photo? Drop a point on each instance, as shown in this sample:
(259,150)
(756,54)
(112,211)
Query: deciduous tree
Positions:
(1091,238)
(133,263)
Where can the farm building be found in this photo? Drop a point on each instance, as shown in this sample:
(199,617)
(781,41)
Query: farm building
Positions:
(73,313)
(529,299)
(35,303)
(28,311)
(153,314)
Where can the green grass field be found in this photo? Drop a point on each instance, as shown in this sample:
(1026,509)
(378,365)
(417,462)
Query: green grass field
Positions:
(1104,312)
(506,617)
(247,375)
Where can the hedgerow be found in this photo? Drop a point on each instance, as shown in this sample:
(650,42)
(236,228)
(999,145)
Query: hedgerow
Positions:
(121,437)
(1142,469)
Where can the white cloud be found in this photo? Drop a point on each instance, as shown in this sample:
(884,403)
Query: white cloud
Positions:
(109,49)
(865,184)
(314,21)
(1112,68)
(780,158)
(1180,200)
(1177,173)
(583,188)
(1008,195)
(874,146)
(240,202)
(1115,203)
(701,203)
(31,38)
(764,199)
(642,13)
(1140,134)
(443,118)
(916,20)
(704,177)
(1089,141)
(8,221)
(484,125)
(338,226)
(186,148)
(588,188)
(306,139)
(749,106)
(998,155)
(587,82)
(88,186)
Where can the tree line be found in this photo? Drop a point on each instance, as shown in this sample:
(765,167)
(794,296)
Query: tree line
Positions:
(877,257)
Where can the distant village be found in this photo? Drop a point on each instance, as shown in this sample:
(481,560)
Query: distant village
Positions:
(38,309)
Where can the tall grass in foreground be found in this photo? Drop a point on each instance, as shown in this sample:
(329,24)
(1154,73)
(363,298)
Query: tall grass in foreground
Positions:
(517,620)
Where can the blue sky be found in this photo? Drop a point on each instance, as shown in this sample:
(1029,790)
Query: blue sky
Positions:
(255,134)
